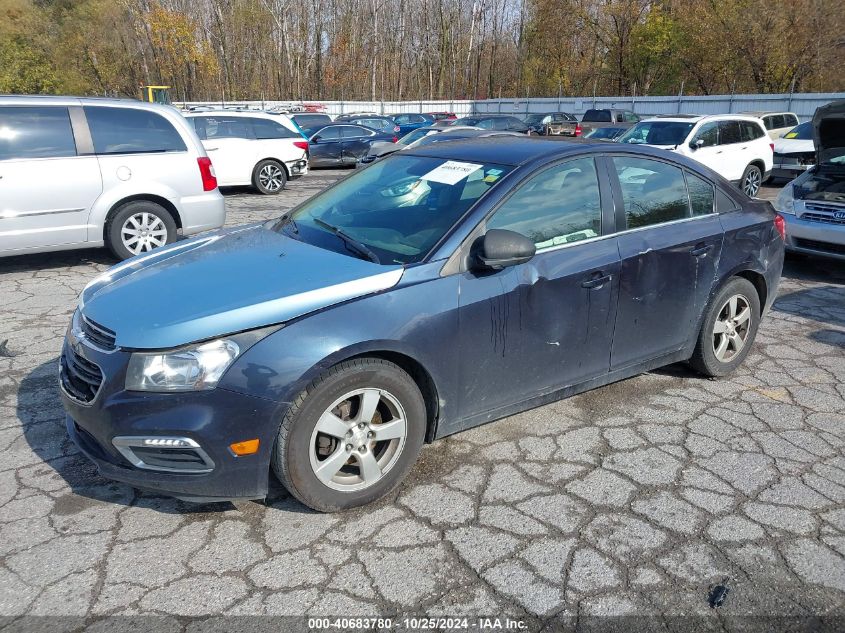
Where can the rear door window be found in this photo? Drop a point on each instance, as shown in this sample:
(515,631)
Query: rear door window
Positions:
(701,195)
(355,131)
(267,129)
(131,131)
(750,131)
(35,132)
(653,192)
(729,132)
(560,205)
(215,127)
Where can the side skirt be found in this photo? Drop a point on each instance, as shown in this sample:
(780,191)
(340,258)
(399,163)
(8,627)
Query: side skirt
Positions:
(565,392)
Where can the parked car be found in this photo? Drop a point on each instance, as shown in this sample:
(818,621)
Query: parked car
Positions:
(608,117)
(501,122)
(552,124)
(82,173)
(252,148)
(776,123)
(310,121)
(813,204)
(794,152)
(343,144)
(439,289)
(433,135)
(442,116)
(606,133)
(408,122)
(734,146)
(381,123)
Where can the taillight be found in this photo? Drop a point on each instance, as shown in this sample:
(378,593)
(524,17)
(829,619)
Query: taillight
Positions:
(772,145)
(209,179)
(395,140)
(303,145)
(578,129)
(780,226)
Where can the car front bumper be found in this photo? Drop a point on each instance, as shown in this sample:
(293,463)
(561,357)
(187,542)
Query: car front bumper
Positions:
(211,420)
(813,237)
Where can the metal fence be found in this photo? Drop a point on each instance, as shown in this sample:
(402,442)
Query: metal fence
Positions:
(802,104)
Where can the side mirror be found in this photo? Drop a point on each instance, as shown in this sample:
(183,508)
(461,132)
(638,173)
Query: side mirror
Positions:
(696,144)
(315,139)
(499,248)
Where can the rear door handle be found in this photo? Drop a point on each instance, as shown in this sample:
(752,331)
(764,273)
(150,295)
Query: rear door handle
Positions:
(597,280)
(699,250)
(211,149)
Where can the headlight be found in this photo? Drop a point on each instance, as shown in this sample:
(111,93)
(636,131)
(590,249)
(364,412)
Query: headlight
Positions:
(785,201)
(189,369)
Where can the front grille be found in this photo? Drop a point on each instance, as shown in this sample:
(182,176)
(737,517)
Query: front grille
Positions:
(100,336)
(823,247)
(80,378)
(821,217)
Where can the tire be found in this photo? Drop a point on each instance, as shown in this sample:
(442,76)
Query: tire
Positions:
(706,358)
(752,179)
(333,402)
(137,227)
(269,177)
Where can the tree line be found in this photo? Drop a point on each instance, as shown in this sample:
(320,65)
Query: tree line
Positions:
(420,49)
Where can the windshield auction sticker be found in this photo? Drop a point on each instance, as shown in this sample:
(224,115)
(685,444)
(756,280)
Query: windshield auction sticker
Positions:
(451,172)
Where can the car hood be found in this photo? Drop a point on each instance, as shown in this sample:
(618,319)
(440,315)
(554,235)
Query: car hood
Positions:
(793,146)
(226,282)
(829,131)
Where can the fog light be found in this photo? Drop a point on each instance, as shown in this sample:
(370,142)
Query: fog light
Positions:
(247,447)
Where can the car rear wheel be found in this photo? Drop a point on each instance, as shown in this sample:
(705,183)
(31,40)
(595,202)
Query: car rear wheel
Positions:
(269,177)
(752,178)
(138,227)
(351,436)
(729,329)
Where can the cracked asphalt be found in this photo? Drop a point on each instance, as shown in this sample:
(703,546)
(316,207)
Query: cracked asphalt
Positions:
(631,500)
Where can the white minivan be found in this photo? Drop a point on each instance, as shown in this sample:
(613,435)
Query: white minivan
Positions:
(252,148)
(736,147)
(79,172)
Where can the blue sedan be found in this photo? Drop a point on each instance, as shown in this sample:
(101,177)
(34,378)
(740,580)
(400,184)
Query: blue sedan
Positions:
(436,290)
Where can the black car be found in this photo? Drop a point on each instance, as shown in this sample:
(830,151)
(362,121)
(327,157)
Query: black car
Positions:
(375,121)
(342,144)
(501,122)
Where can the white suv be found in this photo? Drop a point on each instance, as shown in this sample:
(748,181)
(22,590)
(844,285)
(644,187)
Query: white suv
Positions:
(78,173)
(252,148)
(734,146)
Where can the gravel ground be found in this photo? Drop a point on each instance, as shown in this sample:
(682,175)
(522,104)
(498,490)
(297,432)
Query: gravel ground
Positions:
(634,499)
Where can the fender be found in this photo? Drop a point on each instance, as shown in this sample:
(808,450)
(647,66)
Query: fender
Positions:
(131,188)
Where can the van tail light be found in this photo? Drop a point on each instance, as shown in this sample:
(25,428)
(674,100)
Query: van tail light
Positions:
(578,129)
(395,140)
(772,145)
(780,226)
(303,145)
(209,179)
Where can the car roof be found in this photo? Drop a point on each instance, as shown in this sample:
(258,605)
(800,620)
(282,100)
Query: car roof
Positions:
(759,113)
(236,113)
(695,118)
(504,150)
(60,100)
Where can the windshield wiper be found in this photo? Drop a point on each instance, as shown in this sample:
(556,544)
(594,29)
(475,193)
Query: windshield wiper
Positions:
(350,241)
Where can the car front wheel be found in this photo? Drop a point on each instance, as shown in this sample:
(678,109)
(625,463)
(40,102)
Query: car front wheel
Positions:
(728,330)
(269,177)
(351,436)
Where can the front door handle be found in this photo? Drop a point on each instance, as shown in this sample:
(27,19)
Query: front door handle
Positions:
(699,250)
(597,280)
(211,149)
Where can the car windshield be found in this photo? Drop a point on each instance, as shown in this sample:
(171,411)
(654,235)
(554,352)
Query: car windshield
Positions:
(803,132)
(471,121)
(397,208)
(420,132)
(657,133)
(604,132)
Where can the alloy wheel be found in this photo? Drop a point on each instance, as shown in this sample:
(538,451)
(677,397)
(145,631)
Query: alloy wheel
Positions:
(751,184)
(142,232)
(358,439)
(271,177)
(732,327)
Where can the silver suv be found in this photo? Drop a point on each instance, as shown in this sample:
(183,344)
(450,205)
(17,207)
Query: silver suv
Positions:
(78,173)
